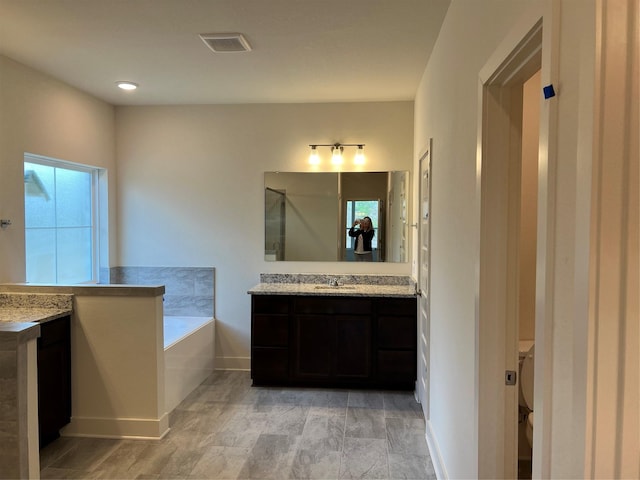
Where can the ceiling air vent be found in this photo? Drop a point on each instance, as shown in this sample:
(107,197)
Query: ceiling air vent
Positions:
(226,42)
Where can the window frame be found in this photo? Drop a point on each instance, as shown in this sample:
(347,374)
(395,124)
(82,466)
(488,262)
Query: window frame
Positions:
(95,173)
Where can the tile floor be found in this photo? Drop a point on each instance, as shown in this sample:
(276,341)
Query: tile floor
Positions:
(227,429)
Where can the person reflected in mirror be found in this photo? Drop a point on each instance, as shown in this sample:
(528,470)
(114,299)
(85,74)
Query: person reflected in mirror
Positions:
(363,232)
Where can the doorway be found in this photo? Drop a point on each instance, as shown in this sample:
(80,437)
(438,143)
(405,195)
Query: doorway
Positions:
(526,230)
(502,195)
(357,210)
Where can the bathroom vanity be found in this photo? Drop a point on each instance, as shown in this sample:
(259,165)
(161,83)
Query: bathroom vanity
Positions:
(349,335)
(53,315)
(35,374)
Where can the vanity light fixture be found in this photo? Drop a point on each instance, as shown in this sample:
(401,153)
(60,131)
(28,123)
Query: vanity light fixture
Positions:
(314,158)
(127,85)
(359,158)
(336,154)
(337,150)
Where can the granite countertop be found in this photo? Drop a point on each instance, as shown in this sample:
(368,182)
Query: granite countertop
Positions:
(349,285)
(36,315)
(359,290)
(34,307)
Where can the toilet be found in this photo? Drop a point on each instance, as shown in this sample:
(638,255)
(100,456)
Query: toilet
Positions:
(526,388)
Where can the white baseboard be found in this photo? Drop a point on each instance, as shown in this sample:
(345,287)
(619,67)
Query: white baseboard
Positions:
(436,457)
(137,428)
(233,363)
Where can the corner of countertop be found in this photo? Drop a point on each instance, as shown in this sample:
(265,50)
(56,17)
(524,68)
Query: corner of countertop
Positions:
(12,334)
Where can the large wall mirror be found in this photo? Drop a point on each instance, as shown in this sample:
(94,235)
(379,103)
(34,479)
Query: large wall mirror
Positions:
(308,215)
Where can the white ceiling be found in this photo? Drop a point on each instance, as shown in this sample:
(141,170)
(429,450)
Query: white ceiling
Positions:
(303,50)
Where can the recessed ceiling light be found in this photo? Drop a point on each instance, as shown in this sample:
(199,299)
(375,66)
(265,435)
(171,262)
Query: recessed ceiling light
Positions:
(127,85)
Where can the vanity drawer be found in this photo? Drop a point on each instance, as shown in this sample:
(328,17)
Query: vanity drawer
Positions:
(270,304)
(397,306)
(333,305)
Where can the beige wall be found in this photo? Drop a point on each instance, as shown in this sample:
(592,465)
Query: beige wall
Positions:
(43,116)
(190,189)
(613,379)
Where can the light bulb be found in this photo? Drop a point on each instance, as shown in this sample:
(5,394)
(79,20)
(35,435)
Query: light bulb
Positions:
(127,85)
(336,155)
(359,160)
(314,158)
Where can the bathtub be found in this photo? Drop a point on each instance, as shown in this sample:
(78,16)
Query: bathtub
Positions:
(188,355)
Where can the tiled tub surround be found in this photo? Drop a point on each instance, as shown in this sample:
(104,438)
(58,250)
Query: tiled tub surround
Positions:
(348,285)
(19,330)
(189,291)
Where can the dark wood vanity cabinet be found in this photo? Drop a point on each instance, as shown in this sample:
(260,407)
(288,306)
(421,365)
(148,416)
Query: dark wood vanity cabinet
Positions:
(54,378)
(270,338)
(397,340)
(333,341)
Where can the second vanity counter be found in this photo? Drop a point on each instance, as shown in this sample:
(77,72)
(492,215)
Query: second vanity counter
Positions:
(348,285)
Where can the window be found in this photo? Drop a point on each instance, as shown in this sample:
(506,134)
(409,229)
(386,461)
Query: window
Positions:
(359,209)
(60,221)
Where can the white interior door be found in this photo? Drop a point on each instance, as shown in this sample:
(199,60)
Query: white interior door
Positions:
(424,258)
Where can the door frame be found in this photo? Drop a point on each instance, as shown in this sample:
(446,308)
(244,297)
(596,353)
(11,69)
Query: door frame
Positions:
(526,49)
(423,347)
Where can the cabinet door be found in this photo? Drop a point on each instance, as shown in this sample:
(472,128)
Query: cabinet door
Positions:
(395,332)
(54,379)
(353,347)
(270,330)
(313,346)
(397,366)
(269,365)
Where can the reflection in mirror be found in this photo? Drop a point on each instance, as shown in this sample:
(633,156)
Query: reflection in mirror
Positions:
(308,216)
